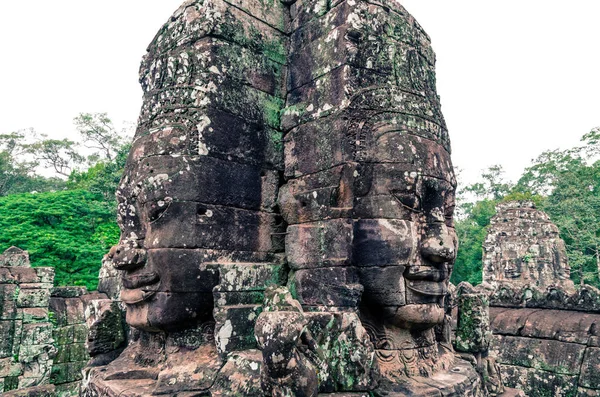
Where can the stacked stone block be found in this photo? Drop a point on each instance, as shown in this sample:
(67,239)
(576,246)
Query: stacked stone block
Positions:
(70,333)
(238,302)
(548,352)
(26,343)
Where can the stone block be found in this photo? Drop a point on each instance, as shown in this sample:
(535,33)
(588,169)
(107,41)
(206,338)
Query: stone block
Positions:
(383,285)
(250,276)
(11,383)
(8,328)
(62,354)
(63,335)
(68,292)
(590,369)
(37,334)
(8,307)
(190,370)
(212,227)
(80,333)
(348,355)
(33,297)
(9,367)
(384,242)
(317,146)
(17,275)
(78,352)
(234,328)
(539,383)
(547,355)
(15,257)
(66,372)
(193,272)
(509,321)
(34,314)
(35,391)
(223,182)
(329,286)
(240,376)
(238,298)
(319,244)
(562,325)
(45,274)
(75,309)
(105,323)
(325,195)
(584,392)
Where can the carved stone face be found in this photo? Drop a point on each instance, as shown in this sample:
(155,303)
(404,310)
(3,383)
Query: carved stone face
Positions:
(180,216)
(165,284)
(405,244)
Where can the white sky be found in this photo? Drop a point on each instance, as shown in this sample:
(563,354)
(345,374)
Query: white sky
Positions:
(516,77)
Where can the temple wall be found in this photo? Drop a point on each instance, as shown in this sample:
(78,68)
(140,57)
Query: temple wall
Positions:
(547,352)
(48,335)
(26,344)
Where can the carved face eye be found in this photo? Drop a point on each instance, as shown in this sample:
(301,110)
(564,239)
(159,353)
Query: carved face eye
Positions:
(156,210)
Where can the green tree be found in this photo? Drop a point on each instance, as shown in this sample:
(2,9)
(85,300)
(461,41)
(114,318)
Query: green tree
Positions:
(98,133)
(67,230)
(471,231)
(571,180)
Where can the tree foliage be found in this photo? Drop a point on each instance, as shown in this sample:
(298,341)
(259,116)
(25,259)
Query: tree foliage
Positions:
(68,230)
(66,221)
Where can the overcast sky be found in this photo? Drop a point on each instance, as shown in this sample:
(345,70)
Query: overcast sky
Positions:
(516,77)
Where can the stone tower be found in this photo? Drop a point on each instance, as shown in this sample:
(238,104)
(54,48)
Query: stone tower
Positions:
(523,248)
(286,211)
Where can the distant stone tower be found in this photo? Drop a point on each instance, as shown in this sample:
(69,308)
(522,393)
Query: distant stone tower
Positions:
(523,248)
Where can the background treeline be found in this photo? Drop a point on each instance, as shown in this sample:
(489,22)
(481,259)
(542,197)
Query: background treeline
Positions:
(563,183)
(57,196)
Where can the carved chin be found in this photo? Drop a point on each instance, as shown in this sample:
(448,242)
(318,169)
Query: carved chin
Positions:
(137,317)
(417,317)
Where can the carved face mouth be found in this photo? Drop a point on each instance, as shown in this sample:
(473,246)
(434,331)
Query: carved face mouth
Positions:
(428,281)
(139,287)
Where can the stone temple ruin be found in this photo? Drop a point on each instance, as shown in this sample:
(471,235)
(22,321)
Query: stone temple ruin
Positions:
(523,248)
(286,209)
(546,336)
(286,216)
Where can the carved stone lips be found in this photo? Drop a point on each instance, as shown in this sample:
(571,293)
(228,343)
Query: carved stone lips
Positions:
(139,287)
(427,280)
(139,280)
(427,273)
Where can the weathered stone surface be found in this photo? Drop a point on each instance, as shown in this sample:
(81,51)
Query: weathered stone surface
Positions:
(546,351)
(35,391)
(539,383)
(523,248)
(547,355)
(26,343)
(14,257)
(327,287)
(319,244)
(590,369)
(473,334)
(103,319)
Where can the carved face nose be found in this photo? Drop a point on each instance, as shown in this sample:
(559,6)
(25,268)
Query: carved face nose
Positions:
(440,245)
(125,257)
